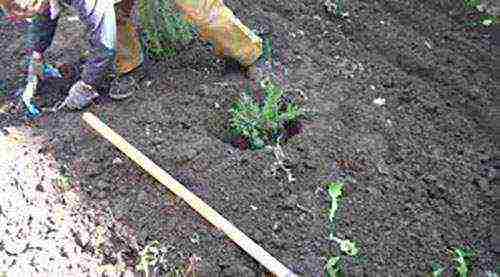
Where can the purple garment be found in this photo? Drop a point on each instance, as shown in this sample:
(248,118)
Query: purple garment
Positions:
(101,25)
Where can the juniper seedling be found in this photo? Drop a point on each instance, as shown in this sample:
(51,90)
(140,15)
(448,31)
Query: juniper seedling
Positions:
(262,123)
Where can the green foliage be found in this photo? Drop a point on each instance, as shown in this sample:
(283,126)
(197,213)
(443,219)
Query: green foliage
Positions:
(437,270)
(148,257)
(334,267)
(261,123)
(335,190)
(472,3)
(348,247)
(463,257)
(163,27)
(339,8)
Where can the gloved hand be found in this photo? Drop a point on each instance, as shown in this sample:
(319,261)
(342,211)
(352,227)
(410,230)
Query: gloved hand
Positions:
(80,96)
(19,10)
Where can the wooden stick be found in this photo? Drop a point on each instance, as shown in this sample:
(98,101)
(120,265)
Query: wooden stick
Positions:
(246,243)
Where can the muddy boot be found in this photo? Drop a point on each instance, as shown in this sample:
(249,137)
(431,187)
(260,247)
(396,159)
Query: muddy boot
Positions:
(126,85)
(80,96)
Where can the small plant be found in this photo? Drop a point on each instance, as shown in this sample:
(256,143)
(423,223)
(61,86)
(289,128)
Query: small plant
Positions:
(437,270)
(337,7)
(463,257)
(163,27)
(266,122)
(148,257)
(334,267)
(472,3)
(63,183)
(348,247)
(335,189)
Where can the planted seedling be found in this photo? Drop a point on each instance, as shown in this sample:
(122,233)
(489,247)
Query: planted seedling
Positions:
(263,123)
(334,267)
(463,257)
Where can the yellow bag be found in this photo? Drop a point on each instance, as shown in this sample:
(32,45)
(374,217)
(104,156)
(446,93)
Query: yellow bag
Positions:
(218,25)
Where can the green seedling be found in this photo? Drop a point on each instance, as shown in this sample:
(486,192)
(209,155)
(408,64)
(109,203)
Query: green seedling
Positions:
(472,3)
(347,246)
(334,267)
(437,270)
(163,27)
(266,123)
(63,183)
(148,257)
(463,257)
(335,189)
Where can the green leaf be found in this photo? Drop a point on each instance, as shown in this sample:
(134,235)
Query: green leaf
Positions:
(437,271)
(347,246)
(335,190)
(463,258)
(334,267)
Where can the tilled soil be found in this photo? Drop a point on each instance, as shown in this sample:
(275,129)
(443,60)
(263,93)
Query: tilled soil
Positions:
(421,165)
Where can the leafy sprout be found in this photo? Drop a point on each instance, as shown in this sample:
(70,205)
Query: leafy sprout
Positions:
(334,267)
(347,246)
(463,257)
(335,190)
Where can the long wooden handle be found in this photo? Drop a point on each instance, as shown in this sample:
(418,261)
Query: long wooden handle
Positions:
(246,243)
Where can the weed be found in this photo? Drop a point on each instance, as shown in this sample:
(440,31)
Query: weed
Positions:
(163,26)
(463,257)
(263,123)
(437,270)
(348,247)
(148,257)
(337,7)
(334,267)
(335,189)
(472,3)
(63,183)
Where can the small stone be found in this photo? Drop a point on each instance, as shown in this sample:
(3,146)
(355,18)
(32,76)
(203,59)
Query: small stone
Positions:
(379,101)
(216,105)
(39,188)
(276,227)
(117,160)
(291,201)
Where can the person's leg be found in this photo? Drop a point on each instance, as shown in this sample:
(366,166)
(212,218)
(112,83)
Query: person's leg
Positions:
(218,25)
(99,17)
(39,37)
(129,52)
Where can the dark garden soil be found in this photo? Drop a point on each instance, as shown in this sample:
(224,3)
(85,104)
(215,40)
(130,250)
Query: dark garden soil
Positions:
(421,165)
